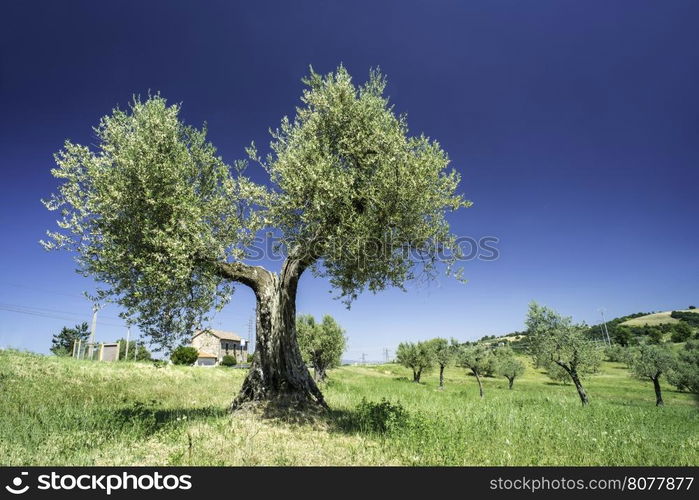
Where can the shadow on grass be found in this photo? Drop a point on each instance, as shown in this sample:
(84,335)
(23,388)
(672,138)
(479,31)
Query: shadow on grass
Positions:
(151,419)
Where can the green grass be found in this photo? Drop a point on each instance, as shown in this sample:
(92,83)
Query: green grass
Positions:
(58,411)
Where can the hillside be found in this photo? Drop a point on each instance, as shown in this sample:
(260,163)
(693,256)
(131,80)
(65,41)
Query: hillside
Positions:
(655,319)
(62,411)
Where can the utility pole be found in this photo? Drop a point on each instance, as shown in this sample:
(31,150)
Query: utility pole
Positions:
(363,358)
(385,354)
(95,307)
(128,338)
(604,324)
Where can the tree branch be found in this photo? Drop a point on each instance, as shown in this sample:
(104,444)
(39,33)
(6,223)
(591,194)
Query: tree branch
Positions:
(253,276)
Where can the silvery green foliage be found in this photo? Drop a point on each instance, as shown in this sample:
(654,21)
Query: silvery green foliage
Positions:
(147,212)
(652,361)
(476,358)
(556,340)
(152,212)
(417,356)
(355,194)
(444,351)
(322,344)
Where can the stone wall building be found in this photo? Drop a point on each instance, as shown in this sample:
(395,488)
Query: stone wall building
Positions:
(213,345)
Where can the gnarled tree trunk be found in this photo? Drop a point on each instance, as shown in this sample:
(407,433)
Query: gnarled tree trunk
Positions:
(658,393)
(578,385)
(480,384)
(511,380)
(277,373)
(441,376)
(319,373)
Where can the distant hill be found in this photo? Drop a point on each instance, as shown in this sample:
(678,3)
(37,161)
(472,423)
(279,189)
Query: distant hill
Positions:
(655,319)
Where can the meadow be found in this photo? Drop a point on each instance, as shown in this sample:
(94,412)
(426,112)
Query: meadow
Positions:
(62,411)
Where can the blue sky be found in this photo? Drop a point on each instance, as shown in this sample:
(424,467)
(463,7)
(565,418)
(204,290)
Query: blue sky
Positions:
(574,125)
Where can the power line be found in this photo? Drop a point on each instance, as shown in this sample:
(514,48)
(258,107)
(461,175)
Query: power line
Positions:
(38,312)
(46,309)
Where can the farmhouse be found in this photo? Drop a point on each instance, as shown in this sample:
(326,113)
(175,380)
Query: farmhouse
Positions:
(213,345)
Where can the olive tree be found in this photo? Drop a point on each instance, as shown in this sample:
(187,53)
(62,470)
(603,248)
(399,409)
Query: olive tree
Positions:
(321,344)
(419,357)
(685,376)
(556,340)
(507,365)
(155,215)
(477,358)
(651,361)
(444,354)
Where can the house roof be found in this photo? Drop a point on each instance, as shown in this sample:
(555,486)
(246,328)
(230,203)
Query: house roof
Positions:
(203,354)
(220,334)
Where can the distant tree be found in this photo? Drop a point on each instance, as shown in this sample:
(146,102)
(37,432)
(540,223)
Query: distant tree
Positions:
(509,366)
(556,340)
(685,376)
(137,350)
(321,344)
(652,361)
(681,332)
(419,357)
(476,358)
(655,335)
(618,353)
(691,318)
(184,355)
(444,354)
(62,342)
(623,336)
(692,307)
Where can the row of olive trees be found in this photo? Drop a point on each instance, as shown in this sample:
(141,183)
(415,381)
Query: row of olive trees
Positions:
(479,359)
(563,349)
(566,352)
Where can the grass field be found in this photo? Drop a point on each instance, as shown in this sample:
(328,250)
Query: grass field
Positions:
(58,411)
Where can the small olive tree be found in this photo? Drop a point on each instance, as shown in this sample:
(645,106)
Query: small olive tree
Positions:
(651,361)
(685,376)
(444,354)
(419,357)
(478,359)
(556,340)
(154,214)
(507,365)
(321,344)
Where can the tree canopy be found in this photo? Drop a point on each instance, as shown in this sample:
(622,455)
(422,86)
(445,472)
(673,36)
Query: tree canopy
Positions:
(651,361)
(419,357)
(62,342)
(321,344)
(554,340)
(477,358)
(157,217)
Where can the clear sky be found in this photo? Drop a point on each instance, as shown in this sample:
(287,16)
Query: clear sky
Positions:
(574,124)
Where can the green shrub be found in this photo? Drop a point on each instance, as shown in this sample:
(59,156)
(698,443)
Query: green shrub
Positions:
(383,417)
(655,335)
(250,356)
(691,318)
(184,355)
(681,332)
(229,360)
(617,353)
